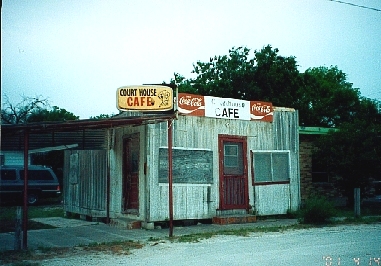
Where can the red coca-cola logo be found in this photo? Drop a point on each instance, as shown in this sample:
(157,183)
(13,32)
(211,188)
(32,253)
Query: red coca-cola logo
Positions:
(261,109)
(190,101)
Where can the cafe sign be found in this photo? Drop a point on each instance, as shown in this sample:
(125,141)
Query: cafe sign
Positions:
(226,108)
(144,98)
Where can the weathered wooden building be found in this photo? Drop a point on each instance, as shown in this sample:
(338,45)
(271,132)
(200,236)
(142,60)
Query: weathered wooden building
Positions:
(220,166)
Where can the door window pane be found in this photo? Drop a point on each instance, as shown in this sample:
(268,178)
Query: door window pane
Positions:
(233,158)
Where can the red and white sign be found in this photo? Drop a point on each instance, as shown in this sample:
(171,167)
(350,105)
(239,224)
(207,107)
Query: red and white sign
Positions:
(191,104)
(261,111)
(226,108)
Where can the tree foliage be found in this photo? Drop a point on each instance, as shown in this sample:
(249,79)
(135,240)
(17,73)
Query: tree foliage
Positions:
(33,109)
(20,112)
(276,78)
(55,114)
(322,95)
(266,76)
(353,152)
(101,116)
(326,98)
(223,76)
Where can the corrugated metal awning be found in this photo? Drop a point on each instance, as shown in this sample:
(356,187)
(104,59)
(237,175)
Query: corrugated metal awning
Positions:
(86,134)
(76,125)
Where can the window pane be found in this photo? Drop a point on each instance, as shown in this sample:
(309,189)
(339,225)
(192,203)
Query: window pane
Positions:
(233,158)
(280,167)
(231,155)
(8,175)
(262,167)
(37,175)
(319,170)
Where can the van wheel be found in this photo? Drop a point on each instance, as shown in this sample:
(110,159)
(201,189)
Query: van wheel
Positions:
(32,198)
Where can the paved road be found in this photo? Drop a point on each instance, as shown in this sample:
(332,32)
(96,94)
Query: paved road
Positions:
(340,245)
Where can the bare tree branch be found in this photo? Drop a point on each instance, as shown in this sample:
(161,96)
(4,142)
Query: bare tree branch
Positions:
(19,113)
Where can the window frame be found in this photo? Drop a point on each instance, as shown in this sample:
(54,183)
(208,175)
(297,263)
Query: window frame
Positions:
(320,170)
(272,153)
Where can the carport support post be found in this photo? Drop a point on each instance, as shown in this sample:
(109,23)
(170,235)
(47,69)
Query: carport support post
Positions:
(357,201)
(17,243)
(170,178)
(25,209)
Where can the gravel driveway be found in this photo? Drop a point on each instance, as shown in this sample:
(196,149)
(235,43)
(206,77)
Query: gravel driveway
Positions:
(337,245)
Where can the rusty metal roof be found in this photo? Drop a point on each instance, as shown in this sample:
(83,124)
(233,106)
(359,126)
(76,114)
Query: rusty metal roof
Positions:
(87,134)
(116,121)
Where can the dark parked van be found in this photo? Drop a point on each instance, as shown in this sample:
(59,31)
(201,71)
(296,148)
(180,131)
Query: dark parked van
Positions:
(42,183)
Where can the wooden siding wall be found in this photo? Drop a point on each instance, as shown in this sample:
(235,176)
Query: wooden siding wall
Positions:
(198,201)
(278,198)
(85,182)
(272,199)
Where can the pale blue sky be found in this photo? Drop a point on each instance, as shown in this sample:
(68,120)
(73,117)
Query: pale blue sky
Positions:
(77,53)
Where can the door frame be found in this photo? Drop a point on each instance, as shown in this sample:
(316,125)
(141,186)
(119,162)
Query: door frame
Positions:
(239,139)
(126,170)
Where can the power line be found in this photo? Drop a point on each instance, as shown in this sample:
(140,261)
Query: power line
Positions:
(351,4)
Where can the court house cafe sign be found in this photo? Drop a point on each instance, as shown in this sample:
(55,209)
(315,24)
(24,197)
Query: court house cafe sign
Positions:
(145,98)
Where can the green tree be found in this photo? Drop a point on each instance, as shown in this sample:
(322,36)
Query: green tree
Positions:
(276,78)
(353,153)
(326,98)
(101,116)
(322,95)
(266,76)
(227,76)
(55,114)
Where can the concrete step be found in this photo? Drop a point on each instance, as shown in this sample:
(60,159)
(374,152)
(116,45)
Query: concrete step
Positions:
(234,219)
(126,223)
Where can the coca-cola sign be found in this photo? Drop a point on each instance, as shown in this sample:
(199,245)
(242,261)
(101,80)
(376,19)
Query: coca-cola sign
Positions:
(191,104)
(261,111)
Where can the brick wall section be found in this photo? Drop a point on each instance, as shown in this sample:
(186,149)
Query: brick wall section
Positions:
(307,187)
(305,161)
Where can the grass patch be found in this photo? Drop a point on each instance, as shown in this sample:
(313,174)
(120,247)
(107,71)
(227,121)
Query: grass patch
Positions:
(30,257)
(317,210)
(360,220)
(194,238)
(9,226)
(116,247)
(8,217)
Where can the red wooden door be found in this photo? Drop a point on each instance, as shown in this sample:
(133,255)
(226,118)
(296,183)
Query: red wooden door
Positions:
(130,202)
(233,172)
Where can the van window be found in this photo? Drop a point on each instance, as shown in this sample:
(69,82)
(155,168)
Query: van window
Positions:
(42,175)
(8,175)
